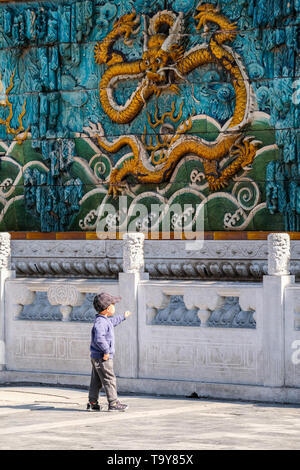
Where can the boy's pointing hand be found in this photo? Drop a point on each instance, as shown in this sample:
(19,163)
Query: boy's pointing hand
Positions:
(127,313)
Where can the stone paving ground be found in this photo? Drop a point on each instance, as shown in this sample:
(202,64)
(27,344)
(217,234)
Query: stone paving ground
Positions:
(54,418)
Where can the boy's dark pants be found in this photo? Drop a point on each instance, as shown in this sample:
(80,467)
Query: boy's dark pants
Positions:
(103,376)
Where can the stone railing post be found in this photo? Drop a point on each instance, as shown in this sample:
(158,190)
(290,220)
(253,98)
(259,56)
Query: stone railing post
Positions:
(133,273)
(5,273)
(273,308)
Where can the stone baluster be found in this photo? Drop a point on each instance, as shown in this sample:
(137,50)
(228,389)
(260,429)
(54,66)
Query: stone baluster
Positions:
(5,273)
(67,297)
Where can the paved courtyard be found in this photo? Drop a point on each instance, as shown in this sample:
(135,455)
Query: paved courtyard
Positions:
(52,418)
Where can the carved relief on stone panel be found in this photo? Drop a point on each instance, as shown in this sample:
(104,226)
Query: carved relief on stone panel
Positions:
(176,313)
(230,315)
(212,311)
(86,311)
(40,309)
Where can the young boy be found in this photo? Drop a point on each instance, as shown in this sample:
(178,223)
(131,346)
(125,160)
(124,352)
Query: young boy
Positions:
(102,351)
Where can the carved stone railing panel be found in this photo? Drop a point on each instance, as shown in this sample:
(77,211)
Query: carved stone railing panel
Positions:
(52,301)
(201,305)
(41,309)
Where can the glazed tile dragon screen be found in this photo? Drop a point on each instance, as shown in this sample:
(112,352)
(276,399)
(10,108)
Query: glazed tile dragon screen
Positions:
(183,106)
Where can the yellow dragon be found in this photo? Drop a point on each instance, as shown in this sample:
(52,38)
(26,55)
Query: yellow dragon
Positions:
(164,61)
(19,135)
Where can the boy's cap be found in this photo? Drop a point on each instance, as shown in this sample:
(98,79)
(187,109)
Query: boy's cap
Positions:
(104,300)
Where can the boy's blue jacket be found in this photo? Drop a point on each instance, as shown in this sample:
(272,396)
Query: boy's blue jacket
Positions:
(103,336)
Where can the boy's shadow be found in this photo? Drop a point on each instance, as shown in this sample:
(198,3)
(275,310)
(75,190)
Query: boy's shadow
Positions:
(40,407)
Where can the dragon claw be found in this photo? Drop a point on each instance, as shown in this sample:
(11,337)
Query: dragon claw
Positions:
(245,149)
(128,42)
(116,189)
(128,24)
(94,130)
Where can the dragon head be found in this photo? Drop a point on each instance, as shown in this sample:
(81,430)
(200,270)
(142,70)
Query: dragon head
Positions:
(161,50)
(208,14)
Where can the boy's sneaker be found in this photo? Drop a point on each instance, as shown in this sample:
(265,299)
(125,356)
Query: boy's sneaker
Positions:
(117,406)
(93,406)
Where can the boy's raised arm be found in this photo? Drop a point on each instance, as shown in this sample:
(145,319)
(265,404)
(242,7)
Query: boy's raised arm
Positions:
(119,318)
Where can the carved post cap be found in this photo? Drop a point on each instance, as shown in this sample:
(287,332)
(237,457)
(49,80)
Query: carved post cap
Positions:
(5,251)
(278,254)
(133,252)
